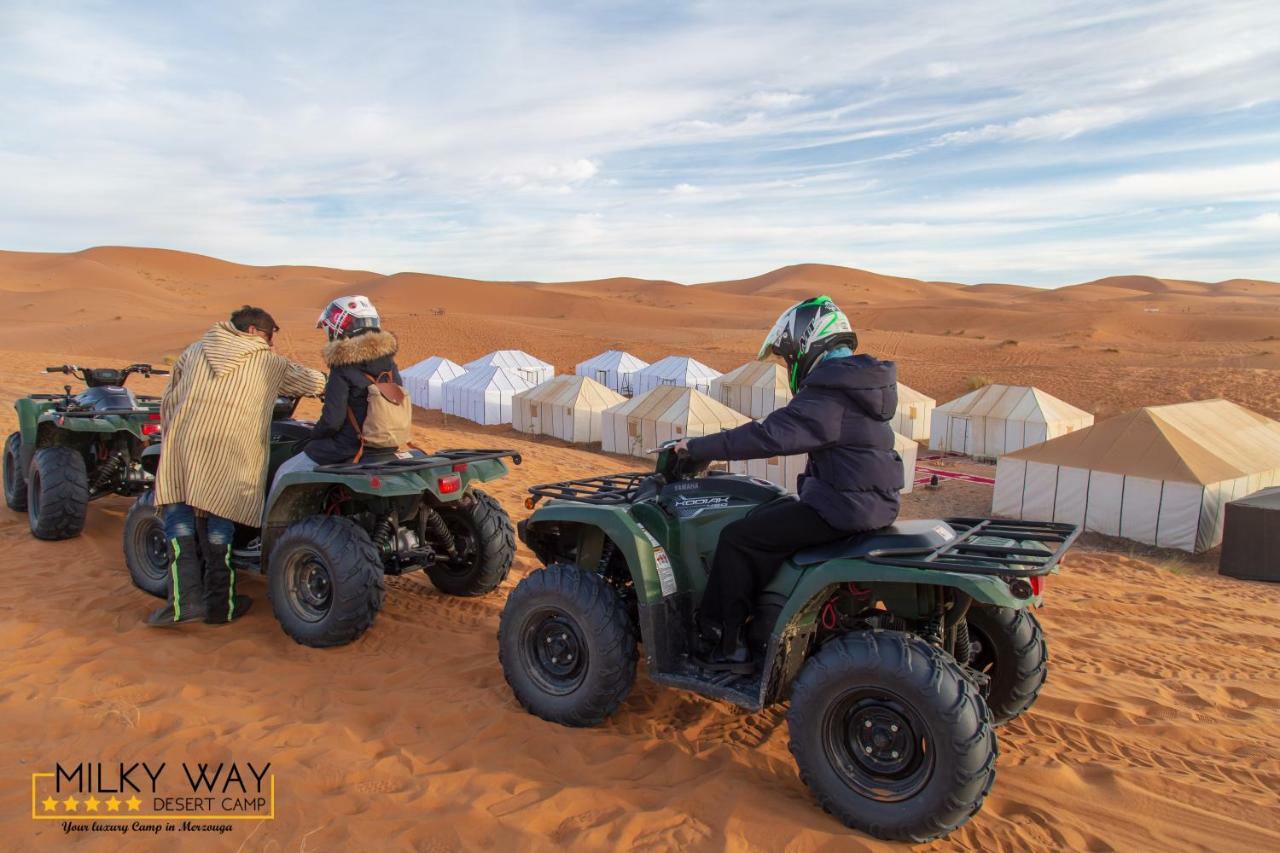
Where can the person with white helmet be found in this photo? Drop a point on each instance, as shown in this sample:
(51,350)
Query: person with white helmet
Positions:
(839,416)
(358,352)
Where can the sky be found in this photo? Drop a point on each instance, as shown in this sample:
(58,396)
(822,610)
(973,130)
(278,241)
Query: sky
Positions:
(1029,142)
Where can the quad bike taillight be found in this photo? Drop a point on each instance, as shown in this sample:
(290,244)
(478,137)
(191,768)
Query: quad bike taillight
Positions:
(151,429)
(449,484)
(1038,584)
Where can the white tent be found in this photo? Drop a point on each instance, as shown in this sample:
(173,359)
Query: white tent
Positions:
(664,413)
(677,370)
(567,407)
(786,470)
(755,389)
(915,412)
(534,370)
(999,419)
(484,395)
(613,369)
(425,380)
(1158,475)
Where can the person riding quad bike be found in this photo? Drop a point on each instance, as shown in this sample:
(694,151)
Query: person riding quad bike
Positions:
(839,416)
(216,416)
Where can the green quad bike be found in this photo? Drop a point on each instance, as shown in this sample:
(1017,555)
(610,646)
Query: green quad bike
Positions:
(898,649)
(330,535)
(74,448)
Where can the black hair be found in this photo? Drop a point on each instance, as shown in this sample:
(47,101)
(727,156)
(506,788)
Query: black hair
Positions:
(247,316)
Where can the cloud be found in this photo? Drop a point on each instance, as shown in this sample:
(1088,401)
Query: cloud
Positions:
(775,100)
(1060,125)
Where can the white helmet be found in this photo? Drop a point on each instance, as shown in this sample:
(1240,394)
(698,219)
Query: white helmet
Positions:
(348,316)
(804,332)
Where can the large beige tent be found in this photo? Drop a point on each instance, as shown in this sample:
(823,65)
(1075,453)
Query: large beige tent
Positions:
(785,471)
(567,407)
(755,389)
(667,412)
(1158,475)
(999,419)
(915,412)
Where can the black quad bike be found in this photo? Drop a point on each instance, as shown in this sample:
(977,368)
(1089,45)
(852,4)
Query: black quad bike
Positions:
(73,448)
(898,650)
(330,535)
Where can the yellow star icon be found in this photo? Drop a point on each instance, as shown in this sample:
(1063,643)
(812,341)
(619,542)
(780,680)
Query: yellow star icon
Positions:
(49,804)
(70,803)
(134,803)
(113,805)
(92,803)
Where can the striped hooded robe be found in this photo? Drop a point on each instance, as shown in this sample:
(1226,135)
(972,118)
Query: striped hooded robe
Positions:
(216,415)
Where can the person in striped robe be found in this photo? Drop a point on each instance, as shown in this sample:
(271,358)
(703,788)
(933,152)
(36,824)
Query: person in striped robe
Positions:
(216,421)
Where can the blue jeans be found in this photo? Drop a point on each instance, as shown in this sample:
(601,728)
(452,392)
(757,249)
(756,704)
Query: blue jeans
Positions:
(180,520)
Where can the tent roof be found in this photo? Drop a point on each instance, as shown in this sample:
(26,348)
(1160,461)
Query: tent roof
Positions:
(677,404)
(574,391)
(758,374)
(508,358)
(498,378)
(680,366)
(613,360)
(1202,442)
(433,365)
(911,395)
(1013,402)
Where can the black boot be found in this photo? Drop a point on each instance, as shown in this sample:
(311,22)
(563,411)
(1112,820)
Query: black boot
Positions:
(222,604)
(719,651)
(186,587)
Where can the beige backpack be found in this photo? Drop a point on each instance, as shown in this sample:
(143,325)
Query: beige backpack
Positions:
(388,422)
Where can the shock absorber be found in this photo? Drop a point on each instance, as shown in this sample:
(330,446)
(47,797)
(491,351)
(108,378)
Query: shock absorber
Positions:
(384,534)
(108,471)
(440,531)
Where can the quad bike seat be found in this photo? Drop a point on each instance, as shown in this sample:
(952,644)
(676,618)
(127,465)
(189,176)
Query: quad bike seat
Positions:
(918,533)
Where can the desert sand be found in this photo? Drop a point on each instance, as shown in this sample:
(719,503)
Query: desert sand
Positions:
(1157,729)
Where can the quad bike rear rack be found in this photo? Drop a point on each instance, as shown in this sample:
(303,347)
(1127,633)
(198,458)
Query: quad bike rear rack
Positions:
(394,465)
(604,490)
(965,555)
(104,413)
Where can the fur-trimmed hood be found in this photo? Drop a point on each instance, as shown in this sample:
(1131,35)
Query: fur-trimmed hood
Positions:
(360,349)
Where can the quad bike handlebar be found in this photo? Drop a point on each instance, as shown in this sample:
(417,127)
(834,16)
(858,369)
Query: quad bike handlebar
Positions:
(94,376)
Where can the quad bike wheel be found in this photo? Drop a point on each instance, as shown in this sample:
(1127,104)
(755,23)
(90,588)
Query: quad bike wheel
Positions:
(146,551)
(1010,649)
(567,646)
(57,493)
(325,581)
(891,737)
(15,482)
(486,545)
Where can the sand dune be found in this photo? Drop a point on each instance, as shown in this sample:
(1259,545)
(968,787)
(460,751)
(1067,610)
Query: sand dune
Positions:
(1153,733)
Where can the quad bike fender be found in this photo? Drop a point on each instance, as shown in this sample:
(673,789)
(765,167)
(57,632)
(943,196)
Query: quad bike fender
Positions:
(895,585)
(636,545)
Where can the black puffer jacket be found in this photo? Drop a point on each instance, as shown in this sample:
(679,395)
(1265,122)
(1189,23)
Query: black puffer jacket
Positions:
(840,417)
(349,359)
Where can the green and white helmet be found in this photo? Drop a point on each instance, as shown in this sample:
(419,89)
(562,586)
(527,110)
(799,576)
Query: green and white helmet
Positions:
(806,331)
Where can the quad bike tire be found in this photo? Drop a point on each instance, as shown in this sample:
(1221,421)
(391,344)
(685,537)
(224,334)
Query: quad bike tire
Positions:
(567,646)
(1009,647)
(57,493)
(325,581)
(891,737)
(482,529)
(15,481)
(146,551)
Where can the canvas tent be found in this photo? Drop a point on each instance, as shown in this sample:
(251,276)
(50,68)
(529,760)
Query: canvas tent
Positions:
(676,370)
(534,370)
(999,419)
(755,389)
(484,395)
(567,407)
(664,413)
(785,471)
(613,369)
(425,380)
(915,411)
(1158,475)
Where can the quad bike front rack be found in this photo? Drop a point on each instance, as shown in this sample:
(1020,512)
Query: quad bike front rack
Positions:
(604,490)
(966,555)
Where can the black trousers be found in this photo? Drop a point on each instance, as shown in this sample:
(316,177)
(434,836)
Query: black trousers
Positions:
(749,554)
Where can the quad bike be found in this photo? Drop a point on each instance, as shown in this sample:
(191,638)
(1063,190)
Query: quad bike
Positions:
(898,649)
(74,448)
(330,535)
